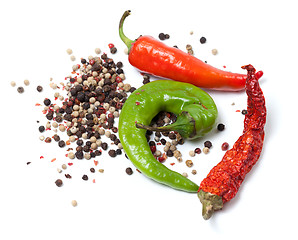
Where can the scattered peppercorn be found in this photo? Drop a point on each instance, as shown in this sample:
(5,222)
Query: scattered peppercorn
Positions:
(41,129)
(112,153)
(61,143)
(128,171)
(225,146)
(244,111)
(48,140)
(207,144)
(47,102)
(59,182)
(203,40)
(198,150)
(220,127)
(189,163)
(85,177)
(20,89)
(206,150)
(74,203)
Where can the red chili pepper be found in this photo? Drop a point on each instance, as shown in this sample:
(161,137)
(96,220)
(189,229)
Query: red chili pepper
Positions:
(223,181)
(154,57)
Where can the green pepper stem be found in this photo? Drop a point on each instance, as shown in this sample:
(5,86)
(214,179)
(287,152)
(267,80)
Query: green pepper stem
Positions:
(128,42)
(184,125)
(151,128)
(210,202)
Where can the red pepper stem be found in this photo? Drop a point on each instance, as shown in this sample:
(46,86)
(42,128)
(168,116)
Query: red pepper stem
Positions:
(128,42)
(210,202)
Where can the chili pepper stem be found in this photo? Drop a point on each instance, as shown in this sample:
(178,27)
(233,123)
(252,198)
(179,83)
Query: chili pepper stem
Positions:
(128,42)
(184,125)
(210,202)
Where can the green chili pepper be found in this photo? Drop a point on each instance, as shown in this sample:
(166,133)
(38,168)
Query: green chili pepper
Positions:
(196,114)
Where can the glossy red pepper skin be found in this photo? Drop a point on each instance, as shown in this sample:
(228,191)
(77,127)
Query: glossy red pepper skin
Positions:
(154,57)
(151,56)
(223,181)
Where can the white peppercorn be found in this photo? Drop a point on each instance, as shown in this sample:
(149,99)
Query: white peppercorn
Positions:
(93,139)
(87,156)
(69,51)
(74,203)
(13,84)
(72,138)
(71,155)
(192,153)
(97,50)
(26,82)
(206,150)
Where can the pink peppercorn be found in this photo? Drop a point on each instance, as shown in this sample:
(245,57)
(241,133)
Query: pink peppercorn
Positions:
(225,146)
(198,150)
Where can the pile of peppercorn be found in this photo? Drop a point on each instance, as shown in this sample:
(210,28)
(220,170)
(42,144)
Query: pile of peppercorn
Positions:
(95,98)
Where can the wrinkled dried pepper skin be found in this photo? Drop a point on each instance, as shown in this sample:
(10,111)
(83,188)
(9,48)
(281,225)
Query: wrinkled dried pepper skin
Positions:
(226,177)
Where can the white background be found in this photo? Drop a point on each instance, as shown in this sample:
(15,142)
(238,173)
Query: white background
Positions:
(34,39)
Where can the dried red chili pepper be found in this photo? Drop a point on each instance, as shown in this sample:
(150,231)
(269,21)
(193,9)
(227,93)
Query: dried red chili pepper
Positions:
(154,57)
(223,181)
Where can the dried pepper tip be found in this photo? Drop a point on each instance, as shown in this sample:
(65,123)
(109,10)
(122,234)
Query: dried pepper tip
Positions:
(210,202)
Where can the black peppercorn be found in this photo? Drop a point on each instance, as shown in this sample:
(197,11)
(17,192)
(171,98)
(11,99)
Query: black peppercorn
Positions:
(128,171)
(207,144)
(56,138)
(59,182)
(79,155)
(39,88)
(41,129)
(112,153)
(220,127)
(203,40)
(47,102)
(85,177)
(61,143)
(104,146)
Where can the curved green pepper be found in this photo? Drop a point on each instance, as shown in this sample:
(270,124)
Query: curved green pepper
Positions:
(196,114)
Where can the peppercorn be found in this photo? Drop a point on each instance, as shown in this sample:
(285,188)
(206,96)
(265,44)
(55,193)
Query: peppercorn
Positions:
(203,40)
(39,88)
(112,153)
(47,102)
(225,146)
(244,111)
(198,150)
(80,142)
(113,50)
(208,144)
(170,153)
(20,89)
(92,170)
(56,138)
(85,177)
(189,163)
(48,140)
(104,146)
(128,171)
(79,155)
(118,151)
(41,129)
(59,182)
(61,143)
(220,127)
